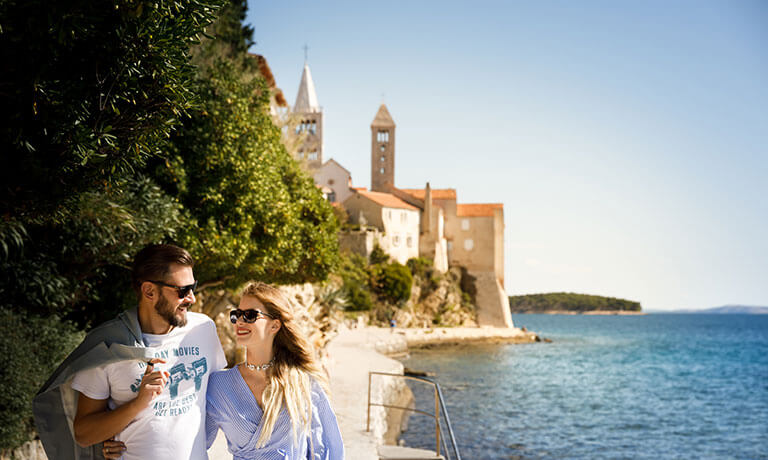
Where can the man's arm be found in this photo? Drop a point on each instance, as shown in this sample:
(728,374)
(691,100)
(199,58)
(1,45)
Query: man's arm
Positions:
(94,422)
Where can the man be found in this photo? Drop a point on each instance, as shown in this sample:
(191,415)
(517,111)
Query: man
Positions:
(140,378)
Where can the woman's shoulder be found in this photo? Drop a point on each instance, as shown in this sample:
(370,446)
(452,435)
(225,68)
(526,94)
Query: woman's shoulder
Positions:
(318,389)
(222,380)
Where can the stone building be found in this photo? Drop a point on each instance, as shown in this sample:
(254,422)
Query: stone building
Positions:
(382,151)
(335,178)
(397,220)
(304,125)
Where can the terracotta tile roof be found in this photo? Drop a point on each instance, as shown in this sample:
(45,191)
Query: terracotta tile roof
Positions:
(358,188)
(477,209)
(437,193)
(386,199)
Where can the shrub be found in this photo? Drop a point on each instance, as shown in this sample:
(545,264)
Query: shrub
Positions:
(354,275)
(393,282)
(358,296)
(419,266)
(32,348)
(378,256)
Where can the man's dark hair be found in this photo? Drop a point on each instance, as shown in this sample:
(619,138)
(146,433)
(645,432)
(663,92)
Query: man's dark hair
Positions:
(153,263)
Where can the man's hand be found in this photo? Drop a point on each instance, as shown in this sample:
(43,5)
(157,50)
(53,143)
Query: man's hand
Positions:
(94,422)
(112,449)
(152,383)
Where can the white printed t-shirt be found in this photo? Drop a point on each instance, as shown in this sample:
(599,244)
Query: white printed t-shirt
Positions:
(172,426)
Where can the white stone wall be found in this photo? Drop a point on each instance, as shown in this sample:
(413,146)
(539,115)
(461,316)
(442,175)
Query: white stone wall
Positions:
(401,233)
(336,178)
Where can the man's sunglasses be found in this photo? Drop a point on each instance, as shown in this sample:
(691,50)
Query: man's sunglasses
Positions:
(249,316)
(182,291)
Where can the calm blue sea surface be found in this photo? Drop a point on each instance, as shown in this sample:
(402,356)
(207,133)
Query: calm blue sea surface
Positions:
(653,386)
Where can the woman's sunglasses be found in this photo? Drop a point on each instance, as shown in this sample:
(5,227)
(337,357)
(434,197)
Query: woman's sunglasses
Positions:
(249,316)
(182,291)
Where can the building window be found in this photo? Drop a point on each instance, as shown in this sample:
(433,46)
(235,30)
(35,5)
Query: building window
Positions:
(301,154)
(469,244)
(313,127)
(332,197)
(409,241)
(331,181)
(465,224)
(450,245)
(382,136)
(396,241)
(312,155)
(383,158)
(381,171)
(389,215)
(383,148)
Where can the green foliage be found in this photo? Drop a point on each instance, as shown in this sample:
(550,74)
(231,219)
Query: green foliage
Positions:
(378,256)
(358,295)
(79,270)
(32,346)
(420,266)
(392,281)
(253,213)
(565,301)
(12,235)
(352,267)
(353,272)
(90,91)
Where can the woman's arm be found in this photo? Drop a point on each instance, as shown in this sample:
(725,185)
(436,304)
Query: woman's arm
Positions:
(325,439)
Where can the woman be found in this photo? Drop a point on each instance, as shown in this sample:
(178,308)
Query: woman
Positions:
(273,406)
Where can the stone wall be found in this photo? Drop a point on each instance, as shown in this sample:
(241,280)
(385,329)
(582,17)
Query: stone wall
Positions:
(32,450)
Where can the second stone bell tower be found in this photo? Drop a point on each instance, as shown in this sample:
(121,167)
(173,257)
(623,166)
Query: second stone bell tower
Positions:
(382,151)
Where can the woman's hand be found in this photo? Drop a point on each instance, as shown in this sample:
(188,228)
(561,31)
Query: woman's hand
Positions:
(112,449)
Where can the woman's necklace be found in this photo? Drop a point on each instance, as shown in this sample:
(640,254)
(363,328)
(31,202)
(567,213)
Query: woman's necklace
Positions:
(260,367)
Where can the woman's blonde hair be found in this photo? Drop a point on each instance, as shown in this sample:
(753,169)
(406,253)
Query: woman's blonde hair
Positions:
(289,380)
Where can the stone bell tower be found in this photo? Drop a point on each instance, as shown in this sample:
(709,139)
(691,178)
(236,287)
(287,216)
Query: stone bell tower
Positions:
(308,123)
(382,151)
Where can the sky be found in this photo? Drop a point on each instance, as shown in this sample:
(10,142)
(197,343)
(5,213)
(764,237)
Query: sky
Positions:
(628,141)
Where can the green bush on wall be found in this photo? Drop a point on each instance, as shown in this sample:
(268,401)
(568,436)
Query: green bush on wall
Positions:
(32,347)
(378,256)
(393,282)
(419,266)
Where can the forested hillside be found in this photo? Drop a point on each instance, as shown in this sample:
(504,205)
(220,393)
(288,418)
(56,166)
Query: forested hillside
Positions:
(569,302)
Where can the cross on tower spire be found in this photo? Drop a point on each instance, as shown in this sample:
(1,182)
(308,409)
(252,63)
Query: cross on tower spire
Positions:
(306,53)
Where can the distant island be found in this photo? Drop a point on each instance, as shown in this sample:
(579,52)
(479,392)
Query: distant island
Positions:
(729,309)
(570,303)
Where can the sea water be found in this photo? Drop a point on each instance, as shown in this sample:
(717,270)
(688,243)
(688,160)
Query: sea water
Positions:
(683,386)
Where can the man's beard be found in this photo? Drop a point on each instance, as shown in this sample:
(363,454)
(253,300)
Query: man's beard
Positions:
(167,312)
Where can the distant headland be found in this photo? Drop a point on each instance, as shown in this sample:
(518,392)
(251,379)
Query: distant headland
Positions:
(572,304)
(727,309)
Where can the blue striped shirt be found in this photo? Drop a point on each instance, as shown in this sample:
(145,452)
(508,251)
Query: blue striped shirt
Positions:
(233,408)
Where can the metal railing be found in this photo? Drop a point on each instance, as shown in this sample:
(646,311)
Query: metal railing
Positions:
(439,408)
